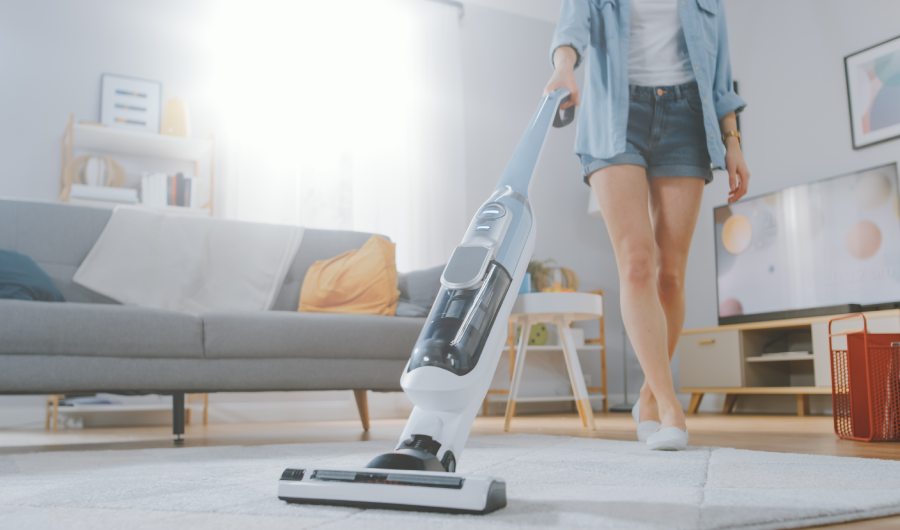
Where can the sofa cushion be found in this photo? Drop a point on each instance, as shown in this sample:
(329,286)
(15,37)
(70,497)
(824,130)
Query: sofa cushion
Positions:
(97,330)
(420,287)
(22,279)
(356,281)
(273,334)
(317,244)
(56,236)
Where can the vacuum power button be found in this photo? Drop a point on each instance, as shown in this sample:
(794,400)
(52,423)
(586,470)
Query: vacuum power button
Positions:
(492,210)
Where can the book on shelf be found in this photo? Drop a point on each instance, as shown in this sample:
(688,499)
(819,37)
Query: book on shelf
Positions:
(162,189)
(104,193)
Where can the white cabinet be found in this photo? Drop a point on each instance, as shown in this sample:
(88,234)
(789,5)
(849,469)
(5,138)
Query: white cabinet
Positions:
(710,358)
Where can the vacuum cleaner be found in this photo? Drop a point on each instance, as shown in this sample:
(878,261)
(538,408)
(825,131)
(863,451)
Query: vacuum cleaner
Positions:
(454,358)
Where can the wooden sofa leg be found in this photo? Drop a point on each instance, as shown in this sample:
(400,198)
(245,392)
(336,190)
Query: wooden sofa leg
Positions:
(362,405)
(178,416)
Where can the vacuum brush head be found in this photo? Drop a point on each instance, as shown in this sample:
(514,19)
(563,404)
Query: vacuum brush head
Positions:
(430,491)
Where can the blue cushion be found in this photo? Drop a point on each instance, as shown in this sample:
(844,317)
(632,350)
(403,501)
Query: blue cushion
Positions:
(22,279)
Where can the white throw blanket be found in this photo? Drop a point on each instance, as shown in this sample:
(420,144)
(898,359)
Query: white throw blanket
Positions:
(189,263)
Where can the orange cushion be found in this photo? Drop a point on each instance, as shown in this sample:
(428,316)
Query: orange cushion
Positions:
(356,281)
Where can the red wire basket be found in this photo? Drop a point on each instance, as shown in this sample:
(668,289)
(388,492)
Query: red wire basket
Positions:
(865,383)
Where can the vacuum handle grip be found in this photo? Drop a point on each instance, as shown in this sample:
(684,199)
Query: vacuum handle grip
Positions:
(563,116)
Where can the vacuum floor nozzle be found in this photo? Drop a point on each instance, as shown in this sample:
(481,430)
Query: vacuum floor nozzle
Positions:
(392,489)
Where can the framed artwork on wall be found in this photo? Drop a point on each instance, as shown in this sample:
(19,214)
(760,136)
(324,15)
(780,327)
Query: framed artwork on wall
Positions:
(873,93)
(130,103)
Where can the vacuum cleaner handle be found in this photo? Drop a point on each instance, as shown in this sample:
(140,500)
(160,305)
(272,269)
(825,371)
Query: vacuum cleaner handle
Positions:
(520,168)
(564,116)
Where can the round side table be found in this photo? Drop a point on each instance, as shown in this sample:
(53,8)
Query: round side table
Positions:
(559,309)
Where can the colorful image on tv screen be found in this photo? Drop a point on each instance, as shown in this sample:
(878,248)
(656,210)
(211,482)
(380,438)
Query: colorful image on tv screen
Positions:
(830,242)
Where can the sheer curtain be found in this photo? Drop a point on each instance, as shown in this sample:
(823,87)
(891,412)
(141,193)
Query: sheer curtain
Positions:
(344,115)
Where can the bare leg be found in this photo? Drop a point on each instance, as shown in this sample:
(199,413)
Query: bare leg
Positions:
(675,207)
(623,194)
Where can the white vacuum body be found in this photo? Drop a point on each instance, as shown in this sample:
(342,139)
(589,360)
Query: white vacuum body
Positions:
(454,359)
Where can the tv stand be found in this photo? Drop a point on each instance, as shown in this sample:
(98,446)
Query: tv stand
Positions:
(731,359)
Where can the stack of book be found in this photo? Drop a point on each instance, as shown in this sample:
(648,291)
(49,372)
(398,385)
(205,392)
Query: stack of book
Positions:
(161,189)
(106,194)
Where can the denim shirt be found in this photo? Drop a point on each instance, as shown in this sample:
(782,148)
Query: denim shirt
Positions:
(599,31)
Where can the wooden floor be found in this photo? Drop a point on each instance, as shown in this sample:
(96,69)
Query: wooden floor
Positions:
(811,434)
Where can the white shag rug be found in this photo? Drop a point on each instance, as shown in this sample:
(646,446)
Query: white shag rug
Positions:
(552,481)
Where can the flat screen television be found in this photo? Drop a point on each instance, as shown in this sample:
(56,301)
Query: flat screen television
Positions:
(825,247)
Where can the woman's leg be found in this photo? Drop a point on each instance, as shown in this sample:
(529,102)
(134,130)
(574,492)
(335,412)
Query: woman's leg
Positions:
(623,194)
(675,207)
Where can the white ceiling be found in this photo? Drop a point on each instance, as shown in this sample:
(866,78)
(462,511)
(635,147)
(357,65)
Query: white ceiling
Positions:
(547,10)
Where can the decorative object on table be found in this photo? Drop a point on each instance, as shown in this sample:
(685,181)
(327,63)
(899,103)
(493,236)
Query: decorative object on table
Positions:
(538,335)
(539,272)
(175,118)
(562,280)
(547,276)
(97,178)
(130,103)
(873,92)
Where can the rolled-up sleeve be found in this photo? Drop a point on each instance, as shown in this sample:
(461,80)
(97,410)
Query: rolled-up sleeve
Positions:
(572,29)
(726,99)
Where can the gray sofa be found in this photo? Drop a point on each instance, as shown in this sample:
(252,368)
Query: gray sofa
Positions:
(92,344)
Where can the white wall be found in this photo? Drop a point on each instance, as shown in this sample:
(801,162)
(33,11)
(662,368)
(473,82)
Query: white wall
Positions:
(53,53)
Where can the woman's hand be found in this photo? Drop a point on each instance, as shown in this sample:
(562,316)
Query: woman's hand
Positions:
(738,173)
(564,75)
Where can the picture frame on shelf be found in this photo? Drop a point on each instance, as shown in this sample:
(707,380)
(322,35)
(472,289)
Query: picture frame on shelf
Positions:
(873,90)
(130,103)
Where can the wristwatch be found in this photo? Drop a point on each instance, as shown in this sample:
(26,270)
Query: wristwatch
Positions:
(728,134)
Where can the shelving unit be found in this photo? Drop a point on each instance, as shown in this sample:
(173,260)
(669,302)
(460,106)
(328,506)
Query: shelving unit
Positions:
(146,151)
(729,359)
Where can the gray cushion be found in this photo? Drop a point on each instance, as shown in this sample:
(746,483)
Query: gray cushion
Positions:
(420,287)
(275,334)
(97,330)
(406,309)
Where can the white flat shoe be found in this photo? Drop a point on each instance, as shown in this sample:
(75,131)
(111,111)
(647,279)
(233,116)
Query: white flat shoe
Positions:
(644,428)
(668,439)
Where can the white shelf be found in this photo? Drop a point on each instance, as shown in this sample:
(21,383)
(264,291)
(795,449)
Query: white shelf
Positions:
(556,347)
(780,358)
(111,140)
(185,210)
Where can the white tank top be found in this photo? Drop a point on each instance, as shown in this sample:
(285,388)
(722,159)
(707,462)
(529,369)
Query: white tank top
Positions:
(658,54)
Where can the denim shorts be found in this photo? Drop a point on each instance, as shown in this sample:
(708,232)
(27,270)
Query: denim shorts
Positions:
(665,134)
